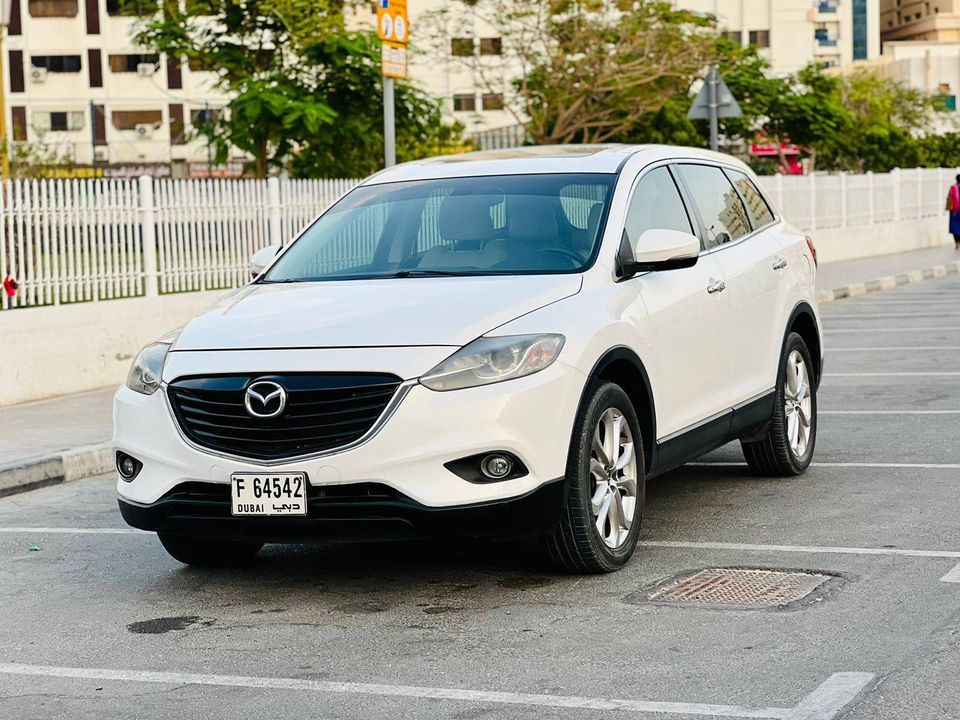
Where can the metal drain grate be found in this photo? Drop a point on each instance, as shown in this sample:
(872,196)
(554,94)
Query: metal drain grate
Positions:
(738,588)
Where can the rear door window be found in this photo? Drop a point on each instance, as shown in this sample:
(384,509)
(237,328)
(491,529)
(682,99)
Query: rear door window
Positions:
(724,216)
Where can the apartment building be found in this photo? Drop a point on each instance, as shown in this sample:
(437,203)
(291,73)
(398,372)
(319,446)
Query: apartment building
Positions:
(938,20)
(79,90)
(793,33)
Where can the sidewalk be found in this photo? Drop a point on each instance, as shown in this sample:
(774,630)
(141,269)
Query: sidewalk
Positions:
(68,437)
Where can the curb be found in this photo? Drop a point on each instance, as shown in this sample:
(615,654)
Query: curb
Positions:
(61,467)
(888,282)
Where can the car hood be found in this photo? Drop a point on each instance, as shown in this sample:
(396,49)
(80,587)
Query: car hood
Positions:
(371,313)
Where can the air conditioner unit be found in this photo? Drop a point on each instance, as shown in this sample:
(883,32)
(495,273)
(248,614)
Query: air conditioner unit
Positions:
(146,69)
(38,74)
(144,130)
(100,154)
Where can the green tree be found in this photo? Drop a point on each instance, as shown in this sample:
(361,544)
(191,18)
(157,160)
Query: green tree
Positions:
(293,74)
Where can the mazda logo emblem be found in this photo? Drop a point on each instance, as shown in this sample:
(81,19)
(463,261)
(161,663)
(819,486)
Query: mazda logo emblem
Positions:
(265,399)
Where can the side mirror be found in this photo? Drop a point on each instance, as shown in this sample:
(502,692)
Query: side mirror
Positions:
(659,250)
(261,258)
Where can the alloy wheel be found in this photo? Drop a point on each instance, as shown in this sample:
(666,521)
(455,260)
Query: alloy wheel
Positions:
(797,404)
(613,475)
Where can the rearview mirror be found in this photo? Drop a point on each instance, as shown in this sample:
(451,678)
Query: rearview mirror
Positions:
(658,249)
(261,258)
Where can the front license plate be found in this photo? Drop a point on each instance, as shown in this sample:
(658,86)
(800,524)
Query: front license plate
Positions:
(268,494)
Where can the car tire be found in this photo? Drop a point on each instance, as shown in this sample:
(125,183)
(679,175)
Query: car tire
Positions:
(206,552)
(787,448)
(603,499)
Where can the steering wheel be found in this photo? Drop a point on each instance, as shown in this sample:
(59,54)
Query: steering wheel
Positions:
(576,259)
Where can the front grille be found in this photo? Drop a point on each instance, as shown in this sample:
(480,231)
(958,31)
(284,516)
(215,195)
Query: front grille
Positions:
(323,412)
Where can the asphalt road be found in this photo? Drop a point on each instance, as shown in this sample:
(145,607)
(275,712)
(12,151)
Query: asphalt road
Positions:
(103,624)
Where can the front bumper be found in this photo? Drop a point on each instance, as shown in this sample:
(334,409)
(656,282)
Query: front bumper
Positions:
(201,511)
(530,417)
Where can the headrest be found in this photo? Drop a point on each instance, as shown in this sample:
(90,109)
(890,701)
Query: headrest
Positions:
(466,218)
(531,218)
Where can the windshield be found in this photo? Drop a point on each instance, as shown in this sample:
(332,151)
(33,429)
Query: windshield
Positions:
(512,224)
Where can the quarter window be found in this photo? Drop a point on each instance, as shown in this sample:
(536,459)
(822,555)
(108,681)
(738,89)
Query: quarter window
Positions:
(757,208)
(723,214)
(656,204)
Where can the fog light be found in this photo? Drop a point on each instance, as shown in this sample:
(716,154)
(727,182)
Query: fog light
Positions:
(128,466)
(496,467)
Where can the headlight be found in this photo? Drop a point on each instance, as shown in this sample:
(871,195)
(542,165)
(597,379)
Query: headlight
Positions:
(492,360)
(147,369)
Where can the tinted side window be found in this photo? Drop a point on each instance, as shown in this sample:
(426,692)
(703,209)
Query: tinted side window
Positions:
(723,214)
(656,203)
(757,207)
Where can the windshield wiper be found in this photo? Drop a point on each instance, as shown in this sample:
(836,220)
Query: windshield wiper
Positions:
(426,273)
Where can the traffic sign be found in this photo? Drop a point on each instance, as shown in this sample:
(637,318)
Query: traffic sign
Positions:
(393,60)
(727,106)
(393,25)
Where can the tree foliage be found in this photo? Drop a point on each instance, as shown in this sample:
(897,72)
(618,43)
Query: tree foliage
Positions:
(304,92)
(590,69)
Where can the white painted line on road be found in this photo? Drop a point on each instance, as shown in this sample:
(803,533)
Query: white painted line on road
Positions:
(918,466)
(893,348)
(409,691)
(888,412)
(811,549)
(838,691)
(953,576)
(891,374)
(841,331)
(73,531)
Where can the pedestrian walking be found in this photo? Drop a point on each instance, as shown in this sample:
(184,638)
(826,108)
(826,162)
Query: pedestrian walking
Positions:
(953,208)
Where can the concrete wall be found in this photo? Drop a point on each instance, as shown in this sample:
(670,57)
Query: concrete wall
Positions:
(848,243)
(49,351)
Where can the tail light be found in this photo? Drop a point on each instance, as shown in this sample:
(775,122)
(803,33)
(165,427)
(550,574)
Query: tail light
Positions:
(813,250)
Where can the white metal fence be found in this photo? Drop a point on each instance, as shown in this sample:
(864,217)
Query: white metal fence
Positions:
(67,241)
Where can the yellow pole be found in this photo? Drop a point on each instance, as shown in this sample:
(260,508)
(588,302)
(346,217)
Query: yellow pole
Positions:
(5,148)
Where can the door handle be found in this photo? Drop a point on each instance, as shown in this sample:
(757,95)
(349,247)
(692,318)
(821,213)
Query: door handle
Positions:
(715,287)
(780,264)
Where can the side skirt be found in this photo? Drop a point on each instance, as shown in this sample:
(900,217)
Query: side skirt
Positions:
(748,418)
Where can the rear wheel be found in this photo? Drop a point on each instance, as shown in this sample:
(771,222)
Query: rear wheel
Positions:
(208,552)
(787,448)
(605,494)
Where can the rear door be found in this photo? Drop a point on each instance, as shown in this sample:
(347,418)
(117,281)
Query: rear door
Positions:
(740,236)
(686,320)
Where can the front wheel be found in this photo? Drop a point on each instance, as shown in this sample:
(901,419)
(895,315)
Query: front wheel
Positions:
(208,552)
(788,446)
(605,494)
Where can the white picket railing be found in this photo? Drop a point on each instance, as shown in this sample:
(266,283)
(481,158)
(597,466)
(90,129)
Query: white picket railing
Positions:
(69,241)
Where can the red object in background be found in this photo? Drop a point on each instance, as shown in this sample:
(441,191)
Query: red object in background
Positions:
(10,285)
(813,249)
(790,152)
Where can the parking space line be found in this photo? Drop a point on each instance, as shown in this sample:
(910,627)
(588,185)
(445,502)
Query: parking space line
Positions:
(813,549)
(918,466)
(838,691)
(891,374)
(821,700)
(74,531)
(888,412)
(893,348)
(953,576)
(841,331)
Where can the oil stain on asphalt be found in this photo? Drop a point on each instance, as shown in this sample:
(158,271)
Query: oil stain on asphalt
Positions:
(159,626)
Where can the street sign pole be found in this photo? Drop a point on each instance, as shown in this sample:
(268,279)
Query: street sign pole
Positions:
(389,124)
(393,29)
(714,109)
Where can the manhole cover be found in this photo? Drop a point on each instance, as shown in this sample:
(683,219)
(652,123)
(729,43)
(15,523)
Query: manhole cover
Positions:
(741,588)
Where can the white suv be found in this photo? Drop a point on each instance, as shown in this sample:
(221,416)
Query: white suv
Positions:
(506,342)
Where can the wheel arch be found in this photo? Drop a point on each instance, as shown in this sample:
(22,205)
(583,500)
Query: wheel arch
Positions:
(803,321)
(622,366)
